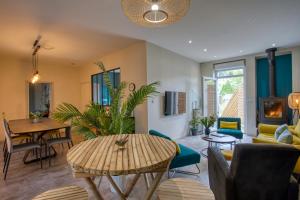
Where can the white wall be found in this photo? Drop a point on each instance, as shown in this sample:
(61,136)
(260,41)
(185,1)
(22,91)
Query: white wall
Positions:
(175,73)
(250,81)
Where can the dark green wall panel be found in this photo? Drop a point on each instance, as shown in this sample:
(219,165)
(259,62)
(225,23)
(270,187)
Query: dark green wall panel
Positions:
(283,77)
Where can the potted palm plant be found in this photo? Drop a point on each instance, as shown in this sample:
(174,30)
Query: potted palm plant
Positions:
(208,122)
(97,120)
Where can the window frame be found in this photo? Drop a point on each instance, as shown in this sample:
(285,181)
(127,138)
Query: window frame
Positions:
(102,84)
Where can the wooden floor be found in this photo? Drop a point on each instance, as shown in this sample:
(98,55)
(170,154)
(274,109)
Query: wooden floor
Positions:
(26,181)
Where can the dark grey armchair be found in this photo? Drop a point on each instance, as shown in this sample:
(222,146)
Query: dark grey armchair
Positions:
(257,172)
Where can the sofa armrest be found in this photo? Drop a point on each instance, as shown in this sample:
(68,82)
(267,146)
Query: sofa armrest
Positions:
(218,171)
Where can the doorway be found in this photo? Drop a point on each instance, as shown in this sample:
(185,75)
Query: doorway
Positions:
(40,98)
(230,92)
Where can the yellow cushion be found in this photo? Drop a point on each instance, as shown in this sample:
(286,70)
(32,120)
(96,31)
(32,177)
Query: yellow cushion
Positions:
(297,129)
(178,150)
(227,154)
(296,140)
(228,125)
(267,128)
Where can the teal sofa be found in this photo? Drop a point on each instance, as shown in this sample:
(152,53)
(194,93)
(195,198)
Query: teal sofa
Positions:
(237,133)
(186,157)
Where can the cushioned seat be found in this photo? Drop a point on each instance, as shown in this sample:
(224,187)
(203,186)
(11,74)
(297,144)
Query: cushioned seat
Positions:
(186,157)
(235,133)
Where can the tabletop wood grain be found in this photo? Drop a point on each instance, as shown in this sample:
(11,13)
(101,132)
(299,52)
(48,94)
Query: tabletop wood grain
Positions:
(24,126)
(69,192)
(101,156)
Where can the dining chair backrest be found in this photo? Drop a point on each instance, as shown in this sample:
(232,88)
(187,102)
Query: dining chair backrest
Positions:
(7,136)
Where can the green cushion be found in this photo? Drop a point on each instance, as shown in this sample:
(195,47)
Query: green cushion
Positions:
(156,133)
(235,133)
(280,130)
(186,157)
(285,137)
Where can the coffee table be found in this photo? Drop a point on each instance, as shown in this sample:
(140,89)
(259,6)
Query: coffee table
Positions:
(217,139)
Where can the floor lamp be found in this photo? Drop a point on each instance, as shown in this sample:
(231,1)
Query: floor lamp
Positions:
(294,101)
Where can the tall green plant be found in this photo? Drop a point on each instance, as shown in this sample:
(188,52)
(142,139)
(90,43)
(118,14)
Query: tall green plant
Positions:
(97,120)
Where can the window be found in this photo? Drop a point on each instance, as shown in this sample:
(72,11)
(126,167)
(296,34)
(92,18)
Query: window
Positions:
(100,93)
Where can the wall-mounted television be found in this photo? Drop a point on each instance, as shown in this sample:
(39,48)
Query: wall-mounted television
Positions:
(175,103)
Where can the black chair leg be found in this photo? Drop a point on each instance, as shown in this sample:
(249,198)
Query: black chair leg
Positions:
(5,160)
(4,144)
(7,165)
(4,153)
(72,143)
(41,158)
(49,152)
(68,145)
(46,153)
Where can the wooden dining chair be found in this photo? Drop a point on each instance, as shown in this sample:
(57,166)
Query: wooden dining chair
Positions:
(13,148)
(58,140)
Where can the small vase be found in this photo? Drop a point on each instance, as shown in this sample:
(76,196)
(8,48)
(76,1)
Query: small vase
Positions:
(207,131)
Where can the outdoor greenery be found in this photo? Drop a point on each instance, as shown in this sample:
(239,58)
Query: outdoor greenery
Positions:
(230,85)
(97,120)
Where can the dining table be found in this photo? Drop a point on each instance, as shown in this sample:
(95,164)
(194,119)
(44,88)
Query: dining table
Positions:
(37,130)
(102,156)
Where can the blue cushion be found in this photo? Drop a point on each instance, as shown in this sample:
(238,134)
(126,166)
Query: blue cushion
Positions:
(186,157)
(235,133)
(156,133)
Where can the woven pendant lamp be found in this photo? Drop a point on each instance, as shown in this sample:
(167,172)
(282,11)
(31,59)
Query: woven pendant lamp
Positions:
(155,13)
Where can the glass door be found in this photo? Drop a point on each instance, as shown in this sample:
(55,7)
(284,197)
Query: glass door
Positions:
(230,93)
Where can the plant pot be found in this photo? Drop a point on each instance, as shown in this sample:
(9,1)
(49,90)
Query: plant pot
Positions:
(207,131)
(194,131)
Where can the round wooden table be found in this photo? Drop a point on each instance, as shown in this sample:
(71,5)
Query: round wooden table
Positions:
(183,189)
(102,157)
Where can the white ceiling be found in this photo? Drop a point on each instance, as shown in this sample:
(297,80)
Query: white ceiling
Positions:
(81,30)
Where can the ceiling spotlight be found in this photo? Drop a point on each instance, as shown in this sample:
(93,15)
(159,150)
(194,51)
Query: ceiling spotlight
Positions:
(273,45)
(190,41)
(215,56)
(241,51)
(205,50)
